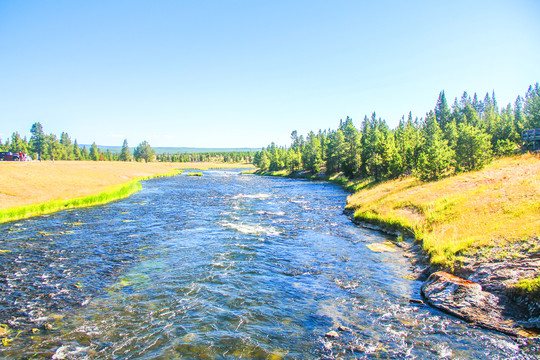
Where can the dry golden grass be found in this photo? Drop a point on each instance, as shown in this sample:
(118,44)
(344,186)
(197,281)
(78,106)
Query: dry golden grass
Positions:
(464,212)
(29,183)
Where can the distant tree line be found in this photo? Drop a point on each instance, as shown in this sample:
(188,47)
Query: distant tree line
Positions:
(50,147)
(461,137)
(231,156)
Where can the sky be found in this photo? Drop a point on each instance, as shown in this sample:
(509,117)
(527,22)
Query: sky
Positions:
(214,73)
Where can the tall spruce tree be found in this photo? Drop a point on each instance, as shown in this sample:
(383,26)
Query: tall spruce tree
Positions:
(125,154)
(76,151)
(65,140)
(94,152)
(352,157)
(335,151)
(435,156)
(313,154)
(478,105)
(37,140)
(520,120)
(442,112)
(532,106)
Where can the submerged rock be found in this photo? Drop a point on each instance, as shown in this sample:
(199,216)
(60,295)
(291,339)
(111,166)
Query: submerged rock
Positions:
(344,328)
(466,300)
(332,334)
(382,247)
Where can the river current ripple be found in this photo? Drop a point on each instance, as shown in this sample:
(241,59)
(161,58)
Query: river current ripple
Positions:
(223,266)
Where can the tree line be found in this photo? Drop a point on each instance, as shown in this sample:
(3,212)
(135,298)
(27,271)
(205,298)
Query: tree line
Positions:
(230,156)
(50,147)
(449,139)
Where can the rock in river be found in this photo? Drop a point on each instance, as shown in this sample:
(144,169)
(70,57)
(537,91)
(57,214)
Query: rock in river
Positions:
(466,300)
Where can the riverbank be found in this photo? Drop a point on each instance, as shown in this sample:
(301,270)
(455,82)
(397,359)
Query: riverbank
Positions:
(482,226)
(36,188)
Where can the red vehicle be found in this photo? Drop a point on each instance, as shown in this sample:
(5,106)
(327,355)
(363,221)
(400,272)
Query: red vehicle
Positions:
(9,156)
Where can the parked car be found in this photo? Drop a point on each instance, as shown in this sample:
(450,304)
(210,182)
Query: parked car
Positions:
(9,156)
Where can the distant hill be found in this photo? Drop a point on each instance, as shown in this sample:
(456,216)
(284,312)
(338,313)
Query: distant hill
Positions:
(173,150)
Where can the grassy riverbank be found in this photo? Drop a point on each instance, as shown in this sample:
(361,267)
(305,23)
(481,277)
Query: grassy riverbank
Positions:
(35,188)
(464,214)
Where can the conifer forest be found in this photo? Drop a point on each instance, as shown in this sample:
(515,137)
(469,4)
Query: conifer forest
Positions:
(462,137)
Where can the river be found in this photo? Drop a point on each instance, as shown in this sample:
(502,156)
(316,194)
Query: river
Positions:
(220,266)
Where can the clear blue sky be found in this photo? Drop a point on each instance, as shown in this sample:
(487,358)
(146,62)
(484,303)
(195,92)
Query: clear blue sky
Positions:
(245,73)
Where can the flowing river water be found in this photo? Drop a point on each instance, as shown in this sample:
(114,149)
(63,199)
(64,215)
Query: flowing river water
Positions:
(223,266)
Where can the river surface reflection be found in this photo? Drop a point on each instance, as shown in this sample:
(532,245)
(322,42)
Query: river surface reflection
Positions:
(223,266)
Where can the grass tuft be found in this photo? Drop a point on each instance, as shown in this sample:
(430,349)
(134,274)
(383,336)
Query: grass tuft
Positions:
(529,288)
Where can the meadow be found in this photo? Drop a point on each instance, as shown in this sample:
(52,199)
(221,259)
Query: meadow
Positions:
(35,188)
(462,214)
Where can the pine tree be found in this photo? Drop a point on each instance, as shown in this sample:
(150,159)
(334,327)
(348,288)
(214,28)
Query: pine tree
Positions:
(125,154)
(488,104)
(65,140)
(494,101)
(473,149)
(296,145)
(84,153)
(55,150)
(76,151)
(470,116)
(442,112)
(477,105)
(532,106)
(261,160)
(465,100)
(18,144)
(520,120)
(352,157)
(37,140)
(313,154)
(277,157)
(457,116)
(504,127)
(451,134)
(94,152)
(294,160)
(144,152)
(395,168)
(436,156)
(368,145)
(376,163)
(335,151)
(407,142)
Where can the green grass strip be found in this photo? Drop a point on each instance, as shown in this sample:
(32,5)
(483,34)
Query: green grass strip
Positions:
(112,193)
(529,288)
